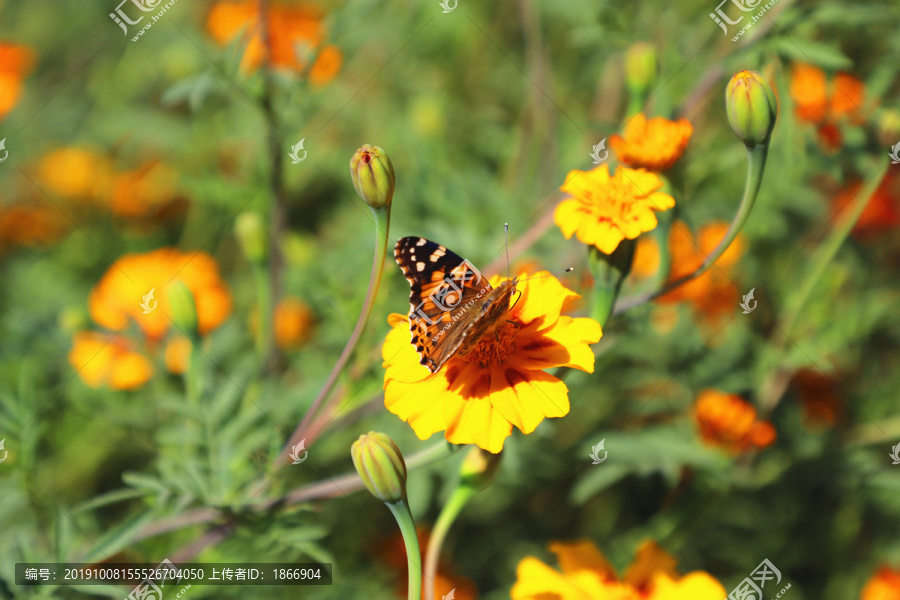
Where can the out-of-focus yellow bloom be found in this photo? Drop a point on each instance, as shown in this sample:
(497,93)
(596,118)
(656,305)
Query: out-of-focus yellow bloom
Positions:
(646,258)
(293,323)
(293,29)
(728,421)
(106,360)
(15,64)
(77,173)
(584,574)
(119,295)
(30,225)
(884,585)
(604,209)
(654,144)
(178,354)
(501,382)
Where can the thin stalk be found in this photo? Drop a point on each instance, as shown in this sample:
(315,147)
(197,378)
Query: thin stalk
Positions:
(382,239)
(756,166)
(411,540)
(451,510)
(265,310)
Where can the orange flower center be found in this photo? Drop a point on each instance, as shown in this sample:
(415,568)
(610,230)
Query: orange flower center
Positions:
(494,347)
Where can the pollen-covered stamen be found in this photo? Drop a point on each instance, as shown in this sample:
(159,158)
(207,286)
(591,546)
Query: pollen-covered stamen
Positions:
(494,347)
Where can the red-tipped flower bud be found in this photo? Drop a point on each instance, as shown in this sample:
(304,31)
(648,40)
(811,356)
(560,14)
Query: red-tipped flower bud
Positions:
(373,175)
(751,107)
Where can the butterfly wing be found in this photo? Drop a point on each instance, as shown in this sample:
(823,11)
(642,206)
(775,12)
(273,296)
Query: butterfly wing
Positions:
(444,294)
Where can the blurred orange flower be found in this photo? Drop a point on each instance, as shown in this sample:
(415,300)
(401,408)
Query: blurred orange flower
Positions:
(293,322)
(392,551)
(816,392)
(293,29)
(826,104)
(77,173)
(144,191)
(884,585)
(177,354)
(585,574)
(728,421)
(646,258)
(477,398)
(712,294)
(604,209)
(118,297)
(15,63)
(104,359)
(655,144)
(30,225)
(881,214)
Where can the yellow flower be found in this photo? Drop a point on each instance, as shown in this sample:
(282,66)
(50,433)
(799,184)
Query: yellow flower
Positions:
(144,191)
(77,173)
(584,574)
(884,585)
(654,144)
(178,354)
(477,398)
(107,360)
(604,209)
(117,298)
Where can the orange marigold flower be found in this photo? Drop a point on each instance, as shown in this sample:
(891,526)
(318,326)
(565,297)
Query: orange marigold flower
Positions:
(104,359)
(646,258)
(881,214)
(809,92)
(604,209)
(15,63)
(477,398)
(290,28)
(178,354)
(655,144)
(30,225)
(293,323)
(884,585)
(144,191)
(77,173)
(728,421)
(847,97)
(117,298)
(816,392)
(585,574)
(712,295)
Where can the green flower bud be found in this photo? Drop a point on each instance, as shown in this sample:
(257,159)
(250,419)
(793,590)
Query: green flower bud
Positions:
(641,68)
(751,107)
(381,466)
(182,308)
(479,468)
(373,175)
(888,121)
(251,234)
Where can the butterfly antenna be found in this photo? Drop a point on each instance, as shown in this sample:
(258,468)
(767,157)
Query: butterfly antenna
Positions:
(506,235)
(550,275)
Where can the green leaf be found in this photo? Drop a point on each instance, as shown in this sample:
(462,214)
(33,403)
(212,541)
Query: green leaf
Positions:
(824,56)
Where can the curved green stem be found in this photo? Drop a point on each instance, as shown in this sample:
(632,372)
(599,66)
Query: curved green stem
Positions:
(451,510)
(411,540)
(609,271)
(382,229)
(756,166)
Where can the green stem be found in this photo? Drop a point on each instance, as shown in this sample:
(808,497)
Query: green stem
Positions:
(756,166)
(265,310)
(771,390)
(609,271)
(451,510)
(382,238)
(411,540)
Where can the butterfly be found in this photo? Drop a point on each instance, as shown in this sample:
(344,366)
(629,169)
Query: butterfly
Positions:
(451,304)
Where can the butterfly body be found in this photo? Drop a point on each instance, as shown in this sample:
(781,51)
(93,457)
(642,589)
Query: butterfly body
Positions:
(452,305)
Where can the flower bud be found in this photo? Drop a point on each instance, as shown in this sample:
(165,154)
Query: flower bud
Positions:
(641,68)
(888,121)
(251,235)
(373,175)
(479,468)
(751,107)
(381,466)
(182,308)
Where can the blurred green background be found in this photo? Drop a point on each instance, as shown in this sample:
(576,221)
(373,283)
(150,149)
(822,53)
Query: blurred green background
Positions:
(483,111)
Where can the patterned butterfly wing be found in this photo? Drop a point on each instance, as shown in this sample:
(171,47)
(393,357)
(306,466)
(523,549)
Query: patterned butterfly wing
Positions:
(444,294)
